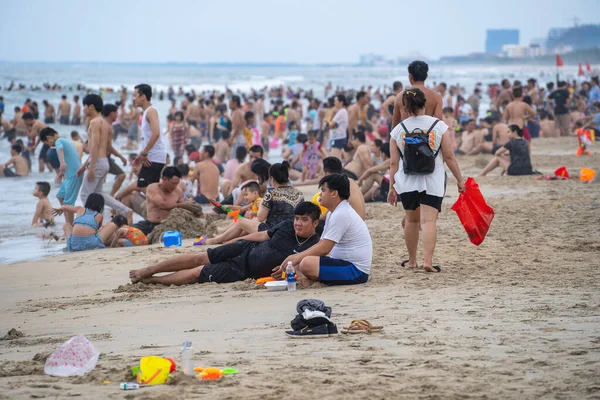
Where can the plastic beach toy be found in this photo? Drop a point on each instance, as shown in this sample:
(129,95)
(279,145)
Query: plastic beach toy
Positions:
(264,280)
(209,374)
(586,174)
(315,200)
(171,238)
(153,370)
(562,172)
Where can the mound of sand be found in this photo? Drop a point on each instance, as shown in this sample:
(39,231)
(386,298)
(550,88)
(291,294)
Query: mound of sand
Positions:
(186,222)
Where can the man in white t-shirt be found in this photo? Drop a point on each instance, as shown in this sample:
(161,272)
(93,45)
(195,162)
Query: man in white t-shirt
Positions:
(338,135)
(344,254)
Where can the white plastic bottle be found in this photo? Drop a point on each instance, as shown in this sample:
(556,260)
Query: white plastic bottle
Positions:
(187,358)
(290,275)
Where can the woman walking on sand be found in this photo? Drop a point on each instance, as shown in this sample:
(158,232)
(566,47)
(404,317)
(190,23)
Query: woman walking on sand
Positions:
(417,174)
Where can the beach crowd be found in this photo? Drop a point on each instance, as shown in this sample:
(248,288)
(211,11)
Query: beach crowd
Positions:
(356,145)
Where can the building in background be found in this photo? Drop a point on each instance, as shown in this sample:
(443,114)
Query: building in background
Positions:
(496,39)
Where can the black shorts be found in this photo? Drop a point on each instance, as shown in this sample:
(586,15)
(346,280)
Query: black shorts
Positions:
(150,174)
(265,144)
(76,121)
(146,226)
(201,199)
(350,174)
(113,168)
(228,263)
(413,200)
(49,120)
(64,119)
(44,152)
(495,148)
(192,122)
(339,143)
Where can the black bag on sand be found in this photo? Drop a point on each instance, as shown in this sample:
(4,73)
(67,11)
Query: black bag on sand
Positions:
(418,157)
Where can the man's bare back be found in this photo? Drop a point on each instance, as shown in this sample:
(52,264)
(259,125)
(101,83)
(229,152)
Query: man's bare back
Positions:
(237,123)
(433,105)
(243,174)
(64,108)
(360,161)
(500,134)
(207,174)
(353,117)
(222,151)
(518,112)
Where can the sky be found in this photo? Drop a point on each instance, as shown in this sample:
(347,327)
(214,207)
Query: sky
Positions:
(263,31)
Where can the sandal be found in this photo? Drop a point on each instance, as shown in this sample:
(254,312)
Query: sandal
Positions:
(405,262)
(437,269)
(361,326)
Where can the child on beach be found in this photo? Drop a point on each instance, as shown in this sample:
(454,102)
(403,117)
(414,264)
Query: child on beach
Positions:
(312,156)
(125,235)
(43,209)
(19,162)
(85,233)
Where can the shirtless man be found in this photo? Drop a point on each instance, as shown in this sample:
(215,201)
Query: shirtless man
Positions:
(361,160)
(99,144)
(518,112)
(193,113)
(18,122)
(500,136)
(222,149)
(34,128)
(333,165)
(48,112)
(109,113)
(293,114)
(161,198)
(243,172)
(388,105)
(21,167)
(237,124)
(470,139)
(76,111)
(355,111)
(259,109)
(207,175)
(505,94)
(417,74)
(533,92)
(64,111)
(76,139)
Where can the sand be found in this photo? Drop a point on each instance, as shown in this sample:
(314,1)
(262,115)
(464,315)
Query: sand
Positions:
(517,317)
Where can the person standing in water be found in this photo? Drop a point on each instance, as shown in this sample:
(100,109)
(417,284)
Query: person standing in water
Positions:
(153,156)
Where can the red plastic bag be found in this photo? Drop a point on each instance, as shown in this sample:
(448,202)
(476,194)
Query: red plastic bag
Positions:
(474,213)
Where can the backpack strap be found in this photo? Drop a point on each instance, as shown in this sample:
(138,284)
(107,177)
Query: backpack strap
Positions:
(406,131)
(429,131)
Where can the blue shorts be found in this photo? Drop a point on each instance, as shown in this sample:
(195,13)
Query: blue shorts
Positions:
(128,243)
(339,143)
(69,190)
(333,271)
(81,243)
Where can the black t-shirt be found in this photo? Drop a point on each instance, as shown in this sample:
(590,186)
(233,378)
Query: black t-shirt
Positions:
(520,162)
(560,98)
(283,243)
(281,202)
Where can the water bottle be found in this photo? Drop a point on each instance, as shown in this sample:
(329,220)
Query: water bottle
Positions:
(290,274)
(129,386)
(171,238)
(187,355)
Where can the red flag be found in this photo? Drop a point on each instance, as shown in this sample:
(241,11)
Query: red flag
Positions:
(559,62)
(581,73)
(587,66)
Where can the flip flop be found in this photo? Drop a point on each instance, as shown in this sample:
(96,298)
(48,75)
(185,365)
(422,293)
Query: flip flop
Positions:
(405,262)
(361,326)
(436,267)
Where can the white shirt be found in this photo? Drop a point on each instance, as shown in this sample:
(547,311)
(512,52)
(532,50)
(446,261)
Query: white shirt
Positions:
(433,184)
(341,119)
(157,153)
(351,236)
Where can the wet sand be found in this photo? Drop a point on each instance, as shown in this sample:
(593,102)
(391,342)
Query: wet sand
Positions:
(517,317)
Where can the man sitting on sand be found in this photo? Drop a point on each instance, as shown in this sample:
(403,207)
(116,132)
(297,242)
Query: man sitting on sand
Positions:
(253,257)
(161,198)
(344,254)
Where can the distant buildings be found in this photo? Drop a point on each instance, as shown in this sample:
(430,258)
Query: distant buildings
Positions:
(496,39)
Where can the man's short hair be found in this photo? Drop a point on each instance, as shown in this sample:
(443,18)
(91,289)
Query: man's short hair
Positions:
(252,187)
(418,70)
(94,100)
(17,148)
(108,108)
(44,187)
(47,131)
(332,165)
(64,96)
(385,149)
(337,182)
(360,95)
(397,85)
(74,134)
(170,172)
(184,169)
(360,136)
(236,99)
(27,116)
(145,90)
(210,150)
(307,208)
(517,91)
(257,149)
(248,115)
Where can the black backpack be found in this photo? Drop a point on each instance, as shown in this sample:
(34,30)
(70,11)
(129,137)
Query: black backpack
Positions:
(418,157)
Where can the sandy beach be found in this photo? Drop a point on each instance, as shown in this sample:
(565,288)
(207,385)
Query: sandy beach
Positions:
(517,317)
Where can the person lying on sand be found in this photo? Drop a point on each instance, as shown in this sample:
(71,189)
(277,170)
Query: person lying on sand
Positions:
(253,257)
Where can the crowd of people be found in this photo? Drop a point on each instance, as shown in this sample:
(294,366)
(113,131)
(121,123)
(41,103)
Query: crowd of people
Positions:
(358,146)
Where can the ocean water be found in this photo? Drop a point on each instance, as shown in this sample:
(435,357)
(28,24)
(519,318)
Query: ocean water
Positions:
(19,241)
